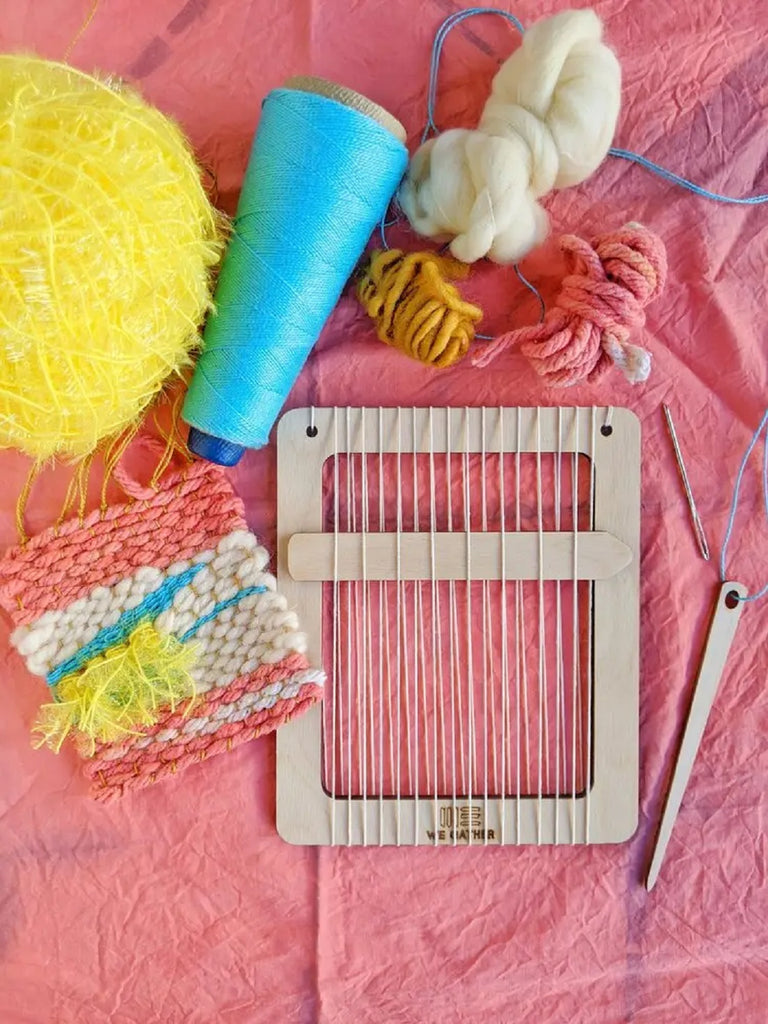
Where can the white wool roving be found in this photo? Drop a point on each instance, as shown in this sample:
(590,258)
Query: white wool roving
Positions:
(548,123)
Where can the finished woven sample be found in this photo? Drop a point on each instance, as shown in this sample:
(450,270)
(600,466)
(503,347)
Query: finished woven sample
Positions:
(168,587)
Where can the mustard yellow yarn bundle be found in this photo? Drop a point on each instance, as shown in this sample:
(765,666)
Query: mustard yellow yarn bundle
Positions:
(107,244)
(416,308)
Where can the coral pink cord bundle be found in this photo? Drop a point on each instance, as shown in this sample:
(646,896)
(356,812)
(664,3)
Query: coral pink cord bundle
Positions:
(600,302)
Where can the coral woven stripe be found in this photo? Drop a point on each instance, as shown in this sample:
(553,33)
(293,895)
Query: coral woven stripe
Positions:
(193,511)
(207,703)
(111,778)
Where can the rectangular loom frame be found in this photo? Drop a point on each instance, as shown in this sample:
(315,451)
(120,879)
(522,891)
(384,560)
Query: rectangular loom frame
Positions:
(607,811)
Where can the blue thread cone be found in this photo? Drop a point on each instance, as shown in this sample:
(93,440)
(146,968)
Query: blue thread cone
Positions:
(214,449)
(319,178)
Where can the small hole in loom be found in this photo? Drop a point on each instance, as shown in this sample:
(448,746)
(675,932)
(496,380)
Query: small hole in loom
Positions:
(311,431)
(606,430)
(732,600)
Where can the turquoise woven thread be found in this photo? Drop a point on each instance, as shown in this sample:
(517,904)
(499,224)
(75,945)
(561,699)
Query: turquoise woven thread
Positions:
(319,178)
(218,609)
(149,609)
(152,606)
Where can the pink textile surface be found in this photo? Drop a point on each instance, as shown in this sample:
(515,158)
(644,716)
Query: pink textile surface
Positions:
(180,903)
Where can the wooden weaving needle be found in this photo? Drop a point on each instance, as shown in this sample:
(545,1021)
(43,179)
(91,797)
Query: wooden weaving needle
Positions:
(722,628)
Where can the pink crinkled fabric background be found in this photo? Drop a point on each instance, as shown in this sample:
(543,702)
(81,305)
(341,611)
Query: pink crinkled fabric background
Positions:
(180,903)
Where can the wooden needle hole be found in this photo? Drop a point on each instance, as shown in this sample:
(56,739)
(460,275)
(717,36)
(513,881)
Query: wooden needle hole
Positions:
(311,431)
(732,600)
(606,430)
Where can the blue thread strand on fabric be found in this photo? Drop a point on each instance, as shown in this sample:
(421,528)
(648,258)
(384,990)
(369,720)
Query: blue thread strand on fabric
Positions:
(218,609)
(532,287)
(676,179)
(762,429)
(437,48)
(319,177)
(152,606)
(624,154)
(431,128)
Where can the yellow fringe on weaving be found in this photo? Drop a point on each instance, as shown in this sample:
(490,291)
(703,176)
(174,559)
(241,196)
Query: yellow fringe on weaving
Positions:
(120,691)
(415,308)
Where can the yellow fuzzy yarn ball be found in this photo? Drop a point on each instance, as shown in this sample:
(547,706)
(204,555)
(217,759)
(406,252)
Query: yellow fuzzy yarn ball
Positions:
(107,243)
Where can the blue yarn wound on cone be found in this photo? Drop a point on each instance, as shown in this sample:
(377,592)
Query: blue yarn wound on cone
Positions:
(320,176)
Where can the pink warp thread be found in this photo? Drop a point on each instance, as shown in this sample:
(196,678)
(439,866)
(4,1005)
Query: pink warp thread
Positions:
(600,302)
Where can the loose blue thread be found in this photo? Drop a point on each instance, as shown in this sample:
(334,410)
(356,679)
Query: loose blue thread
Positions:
(762,429)
(676,179)
(437,48)
(431,128)
(624,154)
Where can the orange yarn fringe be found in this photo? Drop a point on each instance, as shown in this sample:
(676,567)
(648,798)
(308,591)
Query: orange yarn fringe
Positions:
(415,308)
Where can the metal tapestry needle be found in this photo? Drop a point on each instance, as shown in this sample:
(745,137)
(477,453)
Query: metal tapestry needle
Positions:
(698,529)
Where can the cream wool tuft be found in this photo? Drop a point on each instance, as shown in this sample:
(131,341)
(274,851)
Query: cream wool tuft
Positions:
(548,123)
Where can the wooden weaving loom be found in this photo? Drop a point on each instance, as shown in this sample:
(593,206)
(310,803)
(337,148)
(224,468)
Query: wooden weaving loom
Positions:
(470,580)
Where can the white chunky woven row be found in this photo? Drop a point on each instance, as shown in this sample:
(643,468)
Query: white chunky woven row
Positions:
(258,629)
